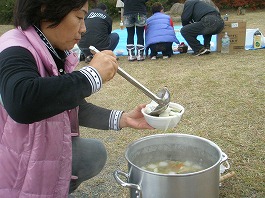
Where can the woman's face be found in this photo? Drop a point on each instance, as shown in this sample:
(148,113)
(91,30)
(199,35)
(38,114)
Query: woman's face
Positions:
(68,32)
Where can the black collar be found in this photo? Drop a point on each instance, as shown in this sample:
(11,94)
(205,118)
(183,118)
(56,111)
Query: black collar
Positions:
(58,55)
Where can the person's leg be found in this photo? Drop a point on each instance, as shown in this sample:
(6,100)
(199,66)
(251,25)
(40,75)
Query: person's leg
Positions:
(140,35)
(114,40)
(153,50)
(213,24)
(140,23)
(207,40)
(140,43)
(207,43)
(129,23)
(190,33)
(130,35)
(130,43)
(167,49)
(89,158)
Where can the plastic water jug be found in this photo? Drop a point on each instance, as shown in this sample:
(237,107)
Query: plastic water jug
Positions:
(257,39)
(225,43)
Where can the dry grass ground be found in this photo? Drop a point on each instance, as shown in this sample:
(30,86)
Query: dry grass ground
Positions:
(223,95)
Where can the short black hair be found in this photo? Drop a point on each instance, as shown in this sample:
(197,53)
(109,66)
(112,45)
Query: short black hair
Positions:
(32,12)
(157,7)
(102,6)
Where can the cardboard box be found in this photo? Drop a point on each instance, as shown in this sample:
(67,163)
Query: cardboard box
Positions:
(236,30)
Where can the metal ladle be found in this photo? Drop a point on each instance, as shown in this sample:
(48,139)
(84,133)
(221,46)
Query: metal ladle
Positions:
(162,98)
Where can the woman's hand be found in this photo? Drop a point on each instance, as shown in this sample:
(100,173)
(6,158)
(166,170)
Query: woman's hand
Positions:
(106,64)
(134,119)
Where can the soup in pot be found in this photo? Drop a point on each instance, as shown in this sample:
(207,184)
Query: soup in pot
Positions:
(173,167)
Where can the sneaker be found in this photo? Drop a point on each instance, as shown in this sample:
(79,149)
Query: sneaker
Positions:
(140,58)
(208,51)
(140,52)
(153,58)
(131,52)
(165,57)
(131,58)
(202,51)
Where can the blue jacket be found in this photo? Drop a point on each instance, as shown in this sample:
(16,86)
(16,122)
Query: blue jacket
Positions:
(159,29)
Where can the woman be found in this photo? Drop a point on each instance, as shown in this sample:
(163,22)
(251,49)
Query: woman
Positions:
(43,102)
(159,33)
(135,20)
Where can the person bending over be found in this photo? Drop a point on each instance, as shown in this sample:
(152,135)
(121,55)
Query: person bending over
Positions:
(200,18)
(99,32)
(159,33)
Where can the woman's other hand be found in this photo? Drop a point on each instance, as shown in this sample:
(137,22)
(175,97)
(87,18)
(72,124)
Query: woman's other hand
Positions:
(134,119)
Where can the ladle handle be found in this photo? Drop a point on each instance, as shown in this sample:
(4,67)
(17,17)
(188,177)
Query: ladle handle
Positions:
(134,82)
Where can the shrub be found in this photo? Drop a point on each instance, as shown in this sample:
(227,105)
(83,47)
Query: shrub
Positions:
(6,6)
(253,4)
(112,10)
(6,11)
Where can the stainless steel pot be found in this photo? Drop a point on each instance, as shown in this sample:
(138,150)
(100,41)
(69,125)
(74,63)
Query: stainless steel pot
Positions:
(179,147)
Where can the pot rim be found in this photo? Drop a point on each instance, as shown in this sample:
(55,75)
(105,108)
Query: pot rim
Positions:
(178,135)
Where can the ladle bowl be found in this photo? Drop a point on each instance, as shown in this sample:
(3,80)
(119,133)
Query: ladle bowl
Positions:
(164,95)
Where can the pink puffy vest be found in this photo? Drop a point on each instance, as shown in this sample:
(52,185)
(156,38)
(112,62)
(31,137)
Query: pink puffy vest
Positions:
(36,159)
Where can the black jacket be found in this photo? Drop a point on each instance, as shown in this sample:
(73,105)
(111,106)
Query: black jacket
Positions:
(194,10)
(18,64)
(98,27)
(134,6)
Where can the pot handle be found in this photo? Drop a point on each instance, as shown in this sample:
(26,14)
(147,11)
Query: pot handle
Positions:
(137,188)
(226,165)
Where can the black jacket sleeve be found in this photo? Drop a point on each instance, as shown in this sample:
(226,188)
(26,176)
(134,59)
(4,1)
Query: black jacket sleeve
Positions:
(194,11)
(134,7)
(186,17)
(28,97)
(93,116)
(109,21)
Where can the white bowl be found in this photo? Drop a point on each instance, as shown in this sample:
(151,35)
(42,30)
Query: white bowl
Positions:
(164,123)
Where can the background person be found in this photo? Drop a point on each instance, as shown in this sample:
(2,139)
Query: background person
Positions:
(43,102)
(135,21)
(98,34)
(159,33)
(200,18)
